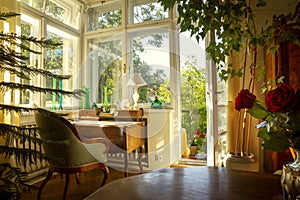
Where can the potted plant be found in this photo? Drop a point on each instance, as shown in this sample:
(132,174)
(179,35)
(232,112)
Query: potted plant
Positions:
(279,129)
(196,142)
(233,31)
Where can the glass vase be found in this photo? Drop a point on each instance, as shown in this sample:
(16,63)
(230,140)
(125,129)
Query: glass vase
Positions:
(105,100)
(290,178)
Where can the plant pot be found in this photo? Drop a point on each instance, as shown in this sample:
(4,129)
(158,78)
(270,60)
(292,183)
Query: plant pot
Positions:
(290,178)
(245,162)
(193,150)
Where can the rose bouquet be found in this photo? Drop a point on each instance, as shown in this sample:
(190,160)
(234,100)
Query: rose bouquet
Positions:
(280,115)
(198,138)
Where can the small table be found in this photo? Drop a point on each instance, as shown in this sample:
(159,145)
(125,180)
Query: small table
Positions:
(193,183)
(124,136)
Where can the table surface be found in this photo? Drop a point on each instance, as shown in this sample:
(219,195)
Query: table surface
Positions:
(124,136)
(199,183)
(119,124)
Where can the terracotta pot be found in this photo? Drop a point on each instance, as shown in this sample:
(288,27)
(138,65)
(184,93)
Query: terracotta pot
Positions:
(193,150)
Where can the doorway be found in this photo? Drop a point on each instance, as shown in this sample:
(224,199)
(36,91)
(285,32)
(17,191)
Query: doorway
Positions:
(203,104)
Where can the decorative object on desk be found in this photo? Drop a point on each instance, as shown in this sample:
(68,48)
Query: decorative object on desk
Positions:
(94,106)
(156,103)
(87,103)
(106,107)
(280,128)
(136,81)
(60,95)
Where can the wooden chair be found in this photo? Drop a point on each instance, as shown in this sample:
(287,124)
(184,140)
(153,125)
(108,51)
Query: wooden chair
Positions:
(66,152)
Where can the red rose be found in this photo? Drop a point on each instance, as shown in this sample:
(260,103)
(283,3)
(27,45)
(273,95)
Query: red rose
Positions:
(245,99)
(281,99)
(196,133)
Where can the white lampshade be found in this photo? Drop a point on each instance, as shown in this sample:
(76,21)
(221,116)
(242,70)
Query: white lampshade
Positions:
(136,80)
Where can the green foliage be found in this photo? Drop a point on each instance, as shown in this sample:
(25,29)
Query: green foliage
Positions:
(193,87)
(232,24)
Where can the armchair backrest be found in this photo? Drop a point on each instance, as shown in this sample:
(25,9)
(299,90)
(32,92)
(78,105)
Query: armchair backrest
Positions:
(61,141)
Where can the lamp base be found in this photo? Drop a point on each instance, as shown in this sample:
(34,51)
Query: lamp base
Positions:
(135,97)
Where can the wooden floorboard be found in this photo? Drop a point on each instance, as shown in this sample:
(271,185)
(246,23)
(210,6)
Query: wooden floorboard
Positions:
(89,182)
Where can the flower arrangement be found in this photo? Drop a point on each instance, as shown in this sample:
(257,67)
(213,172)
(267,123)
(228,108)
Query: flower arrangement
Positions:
(198,138)
(280,115)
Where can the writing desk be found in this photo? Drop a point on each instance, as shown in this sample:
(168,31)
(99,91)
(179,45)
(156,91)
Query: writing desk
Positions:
(194,183)
(124,136)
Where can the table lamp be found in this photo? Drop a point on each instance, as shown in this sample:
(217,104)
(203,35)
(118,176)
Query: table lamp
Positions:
(136,81)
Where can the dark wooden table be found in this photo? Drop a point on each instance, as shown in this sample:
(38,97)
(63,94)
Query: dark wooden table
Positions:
(199,183)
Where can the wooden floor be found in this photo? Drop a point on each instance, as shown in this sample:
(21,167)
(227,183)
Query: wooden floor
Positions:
(89,182)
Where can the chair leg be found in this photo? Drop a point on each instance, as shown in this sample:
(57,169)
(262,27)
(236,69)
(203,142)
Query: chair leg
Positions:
(67,186)
(77,178)
(49,175)
(106,171)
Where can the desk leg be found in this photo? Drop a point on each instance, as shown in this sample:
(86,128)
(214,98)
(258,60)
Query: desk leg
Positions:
(126,164)
(142,151)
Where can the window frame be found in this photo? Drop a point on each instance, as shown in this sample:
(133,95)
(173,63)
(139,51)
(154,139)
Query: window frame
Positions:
(45,20)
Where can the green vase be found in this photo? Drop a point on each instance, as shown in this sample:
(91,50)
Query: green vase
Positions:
(87,103)
(105,100)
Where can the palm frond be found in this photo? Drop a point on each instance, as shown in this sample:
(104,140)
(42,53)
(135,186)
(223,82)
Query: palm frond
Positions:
(6,15)
(13,39)
(13,182)
(4,86)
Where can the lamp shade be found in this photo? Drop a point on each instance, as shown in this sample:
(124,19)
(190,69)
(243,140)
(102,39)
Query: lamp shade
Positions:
(136,80)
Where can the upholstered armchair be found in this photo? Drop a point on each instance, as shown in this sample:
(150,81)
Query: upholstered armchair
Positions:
(66,152)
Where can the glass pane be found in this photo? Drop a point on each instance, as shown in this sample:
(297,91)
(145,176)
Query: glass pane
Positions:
(222,92)
(66,12)
(150,58)
(139,11)
(193,88)
(222,119)
(105,67)
(106,15)
(26,31)
(55,10)
(62,60)
(29,27)
(37,4)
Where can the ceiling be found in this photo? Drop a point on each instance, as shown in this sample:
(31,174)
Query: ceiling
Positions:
(94,2)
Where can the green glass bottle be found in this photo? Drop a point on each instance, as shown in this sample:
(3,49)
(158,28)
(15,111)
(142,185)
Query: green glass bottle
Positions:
(105,100)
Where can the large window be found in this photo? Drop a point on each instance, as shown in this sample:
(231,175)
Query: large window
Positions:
(30,26)
(142,11)
(121,43)
(105,68)
(106,15)
(66,11)
(62,60)
(150,57)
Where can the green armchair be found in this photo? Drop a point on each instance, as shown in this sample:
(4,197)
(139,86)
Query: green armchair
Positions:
(66,152)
